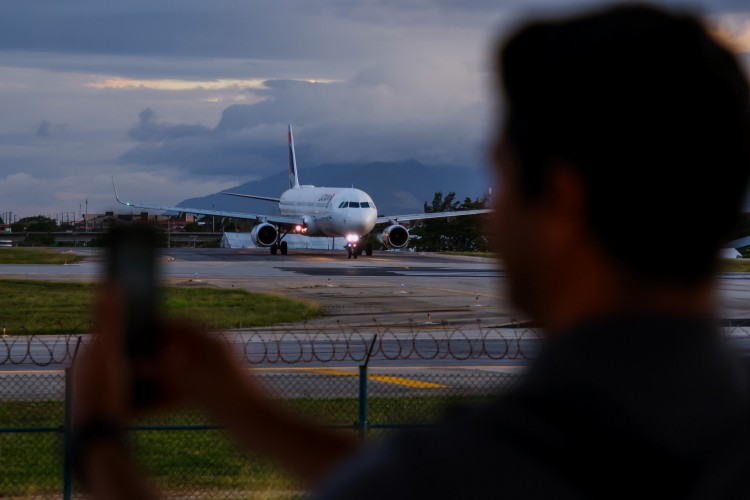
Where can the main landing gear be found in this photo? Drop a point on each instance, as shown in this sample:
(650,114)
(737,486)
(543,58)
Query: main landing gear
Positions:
(279,246)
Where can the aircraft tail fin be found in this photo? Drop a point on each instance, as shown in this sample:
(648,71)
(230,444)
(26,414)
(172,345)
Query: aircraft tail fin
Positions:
(293,176)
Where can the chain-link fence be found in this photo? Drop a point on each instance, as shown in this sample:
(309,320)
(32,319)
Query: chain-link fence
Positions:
(190,458)
(341,343)
(319,371)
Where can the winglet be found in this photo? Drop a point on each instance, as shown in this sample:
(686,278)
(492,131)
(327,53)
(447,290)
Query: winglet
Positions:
(293,176)
(117,197)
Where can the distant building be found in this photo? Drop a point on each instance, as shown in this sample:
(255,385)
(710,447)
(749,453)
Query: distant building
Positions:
(729,253)
(242,240)
(236,240)
(102,222)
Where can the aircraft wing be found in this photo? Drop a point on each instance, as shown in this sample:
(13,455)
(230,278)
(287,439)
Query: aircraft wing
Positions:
(252,196)
(273,219)
(431,215)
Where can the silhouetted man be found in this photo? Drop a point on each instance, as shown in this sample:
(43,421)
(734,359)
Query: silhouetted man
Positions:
(626,132)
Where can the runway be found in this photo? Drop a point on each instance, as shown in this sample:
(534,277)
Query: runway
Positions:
(390,287)
(429,310)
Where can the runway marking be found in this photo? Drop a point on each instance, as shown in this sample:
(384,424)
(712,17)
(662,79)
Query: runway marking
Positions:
(461,292)
(407,382)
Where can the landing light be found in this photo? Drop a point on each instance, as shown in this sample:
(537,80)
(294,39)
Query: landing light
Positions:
(298,228)
(351,238)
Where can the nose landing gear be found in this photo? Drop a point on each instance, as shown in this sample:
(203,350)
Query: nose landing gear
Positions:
(352,250)
(355,249)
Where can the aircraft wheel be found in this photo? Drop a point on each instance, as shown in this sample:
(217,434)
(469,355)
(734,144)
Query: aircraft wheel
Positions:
(368,250)
(274,249)
(354,254)
(283,248)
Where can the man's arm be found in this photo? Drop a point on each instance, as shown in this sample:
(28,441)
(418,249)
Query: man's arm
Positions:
(210,377)
(196,368)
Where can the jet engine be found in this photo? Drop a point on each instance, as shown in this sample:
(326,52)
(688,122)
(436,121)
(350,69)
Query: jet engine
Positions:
(395,236)
(264,234)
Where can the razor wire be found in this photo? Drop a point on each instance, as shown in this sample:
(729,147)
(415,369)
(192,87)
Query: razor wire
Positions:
(339,342)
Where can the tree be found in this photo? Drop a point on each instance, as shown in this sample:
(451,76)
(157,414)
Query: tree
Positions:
(460,234)
(35,224)
(193,227)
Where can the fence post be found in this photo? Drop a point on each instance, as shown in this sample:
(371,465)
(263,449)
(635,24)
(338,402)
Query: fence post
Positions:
(363,391)
(68,436)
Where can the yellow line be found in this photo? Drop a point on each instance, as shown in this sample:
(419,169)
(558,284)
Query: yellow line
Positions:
(381,378)
(410,367)
(320,370)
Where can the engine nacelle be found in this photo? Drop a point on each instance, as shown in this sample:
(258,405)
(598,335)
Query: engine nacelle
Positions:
(264,234)
(311,226)
(395,236)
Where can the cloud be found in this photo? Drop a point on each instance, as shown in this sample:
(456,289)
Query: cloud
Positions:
(149,129)
(382,114)
(734,31)
(184,99)
(47,130)
(173,84)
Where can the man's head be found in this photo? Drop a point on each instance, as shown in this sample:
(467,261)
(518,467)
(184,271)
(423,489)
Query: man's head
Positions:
(643,116)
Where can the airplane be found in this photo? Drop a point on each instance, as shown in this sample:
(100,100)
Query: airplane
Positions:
(317,211)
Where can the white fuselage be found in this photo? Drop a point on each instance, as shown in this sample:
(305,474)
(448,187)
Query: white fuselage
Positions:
(330,211)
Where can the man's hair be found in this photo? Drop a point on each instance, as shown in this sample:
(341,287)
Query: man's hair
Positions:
(652,113)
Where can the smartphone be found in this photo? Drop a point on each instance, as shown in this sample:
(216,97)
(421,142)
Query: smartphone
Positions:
(132,266)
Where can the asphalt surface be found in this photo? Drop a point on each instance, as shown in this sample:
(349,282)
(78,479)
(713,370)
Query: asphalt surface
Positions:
(430,312)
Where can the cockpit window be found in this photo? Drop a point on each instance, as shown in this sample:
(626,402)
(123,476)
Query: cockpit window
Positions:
(343,204)
(353,204)
(364,204)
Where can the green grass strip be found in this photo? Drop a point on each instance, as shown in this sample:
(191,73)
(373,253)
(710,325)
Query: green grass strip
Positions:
(36,256)
(45,307)
(205,463)
(734,266)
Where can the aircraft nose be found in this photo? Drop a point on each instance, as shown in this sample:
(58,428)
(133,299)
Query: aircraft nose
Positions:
(364,221)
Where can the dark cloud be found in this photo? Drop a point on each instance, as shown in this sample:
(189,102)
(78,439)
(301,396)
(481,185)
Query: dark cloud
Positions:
(290,29)
(43,131)
(47,130)
(221,28)
(409,81)
(334,122)
(149,129)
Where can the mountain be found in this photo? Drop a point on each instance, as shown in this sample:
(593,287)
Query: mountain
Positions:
(396,187)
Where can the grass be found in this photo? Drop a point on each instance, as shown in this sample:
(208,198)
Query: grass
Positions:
(734,266)
(36,256)
(185,462)
(45,307)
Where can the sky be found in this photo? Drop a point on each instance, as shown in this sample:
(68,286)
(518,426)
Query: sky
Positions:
(183,99)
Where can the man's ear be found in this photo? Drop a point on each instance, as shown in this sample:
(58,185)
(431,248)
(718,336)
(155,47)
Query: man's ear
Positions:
(565,205)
